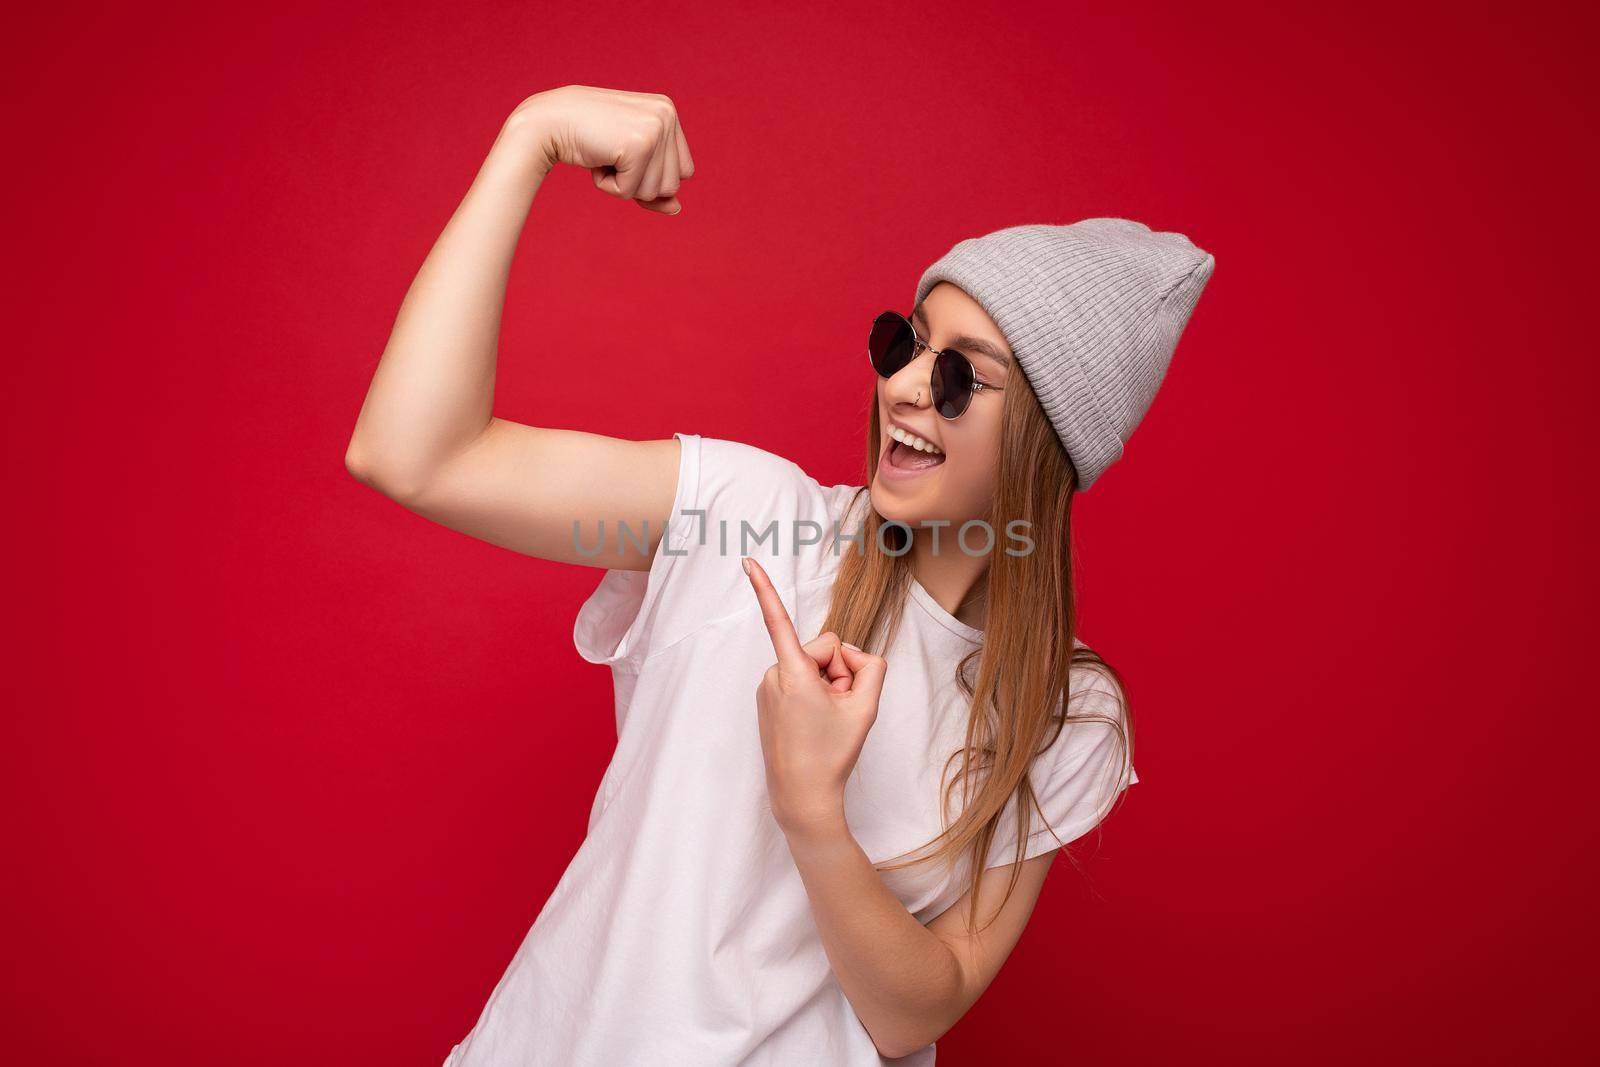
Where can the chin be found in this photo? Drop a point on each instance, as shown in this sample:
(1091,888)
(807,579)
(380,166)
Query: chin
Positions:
(922,503)
(893,506)
(901,505)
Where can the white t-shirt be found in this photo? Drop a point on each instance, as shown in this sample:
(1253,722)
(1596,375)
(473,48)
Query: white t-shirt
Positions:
(681,933)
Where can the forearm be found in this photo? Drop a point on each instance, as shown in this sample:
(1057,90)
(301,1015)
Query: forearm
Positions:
(433,391)
(903,981)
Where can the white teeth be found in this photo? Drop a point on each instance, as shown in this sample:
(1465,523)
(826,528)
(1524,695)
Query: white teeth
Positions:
(914,441)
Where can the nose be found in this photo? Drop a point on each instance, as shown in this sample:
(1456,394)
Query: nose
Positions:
(912,384)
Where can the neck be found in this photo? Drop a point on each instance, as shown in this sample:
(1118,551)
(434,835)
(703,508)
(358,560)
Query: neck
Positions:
(956,581)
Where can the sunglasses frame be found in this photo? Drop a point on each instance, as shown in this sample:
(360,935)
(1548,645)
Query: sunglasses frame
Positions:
(918,346)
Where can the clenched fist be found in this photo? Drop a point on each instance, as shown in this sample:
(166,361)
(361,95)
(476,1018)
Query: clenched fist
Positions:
(632,143)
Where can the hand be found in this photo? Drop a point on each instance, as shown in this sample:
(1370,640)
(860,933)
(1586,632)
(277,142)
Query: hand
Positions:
(812,727)
(632,143)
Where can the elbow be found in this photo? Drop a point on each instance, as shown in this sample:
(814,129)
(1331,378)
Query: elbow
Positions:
(924,1019)
(898,1045)
(360,464)
(893,1051)
(355,462)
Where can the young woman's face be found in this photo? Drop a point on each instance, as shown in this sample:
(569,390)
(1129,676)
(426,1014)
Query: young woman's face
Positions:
(960,485)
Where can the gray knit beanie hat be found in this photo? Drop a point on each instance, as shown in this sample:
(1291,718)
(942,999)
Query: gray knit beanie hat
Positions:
(1092,310)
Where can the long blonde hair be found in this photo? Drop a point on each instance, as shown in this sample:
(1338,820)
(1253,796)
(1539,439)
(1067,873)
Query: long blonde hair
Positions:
(1019,691)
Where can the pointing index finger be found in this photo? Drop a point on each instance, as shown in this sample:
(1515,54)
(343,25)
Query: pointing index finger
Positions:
(791,657)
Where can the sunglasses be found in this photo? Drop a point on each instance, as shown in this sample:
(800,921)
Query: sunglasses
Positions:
(894,343)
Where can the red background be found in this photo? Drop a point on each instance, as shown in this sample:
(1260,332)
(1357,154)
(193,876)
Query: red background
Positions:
(289,771)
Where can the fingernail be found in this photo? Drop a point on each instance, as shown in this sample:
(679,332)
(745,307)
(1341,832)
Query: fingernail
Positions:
(848,645)
(745,563)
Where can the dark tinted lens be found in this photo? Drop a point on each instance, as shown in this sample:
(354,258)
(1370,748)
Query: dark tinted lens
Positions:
(889,344)
(952,383)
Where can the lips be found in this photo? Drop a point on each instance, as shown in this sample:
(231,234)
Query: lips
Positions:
(902,461)
(906,436)
(906,454)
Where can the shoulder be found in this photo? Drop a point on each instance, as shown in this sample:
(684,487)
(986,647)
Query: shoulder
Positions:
(1097,734)
(740,483)
(1091,680)
(1095,720)
(741,456)
(736,469)
(733,499)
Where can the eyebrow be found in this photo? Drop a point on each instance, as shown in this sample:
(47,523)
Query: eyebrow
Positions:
(974,344)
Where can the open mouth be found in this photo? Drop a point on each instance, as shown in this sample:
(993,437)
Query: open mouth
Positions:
(910,453)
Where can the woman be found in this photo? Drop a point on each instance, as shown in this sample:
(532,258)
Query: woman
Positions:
(817,745)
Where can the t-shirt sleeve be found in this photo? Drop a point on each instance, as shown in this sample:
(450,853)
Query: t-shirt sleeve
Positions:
(1078,778)
(732,500)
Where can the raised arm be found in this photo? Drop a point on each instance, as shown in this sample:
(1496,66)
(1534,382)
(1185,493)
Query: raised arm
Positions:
(426,436)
